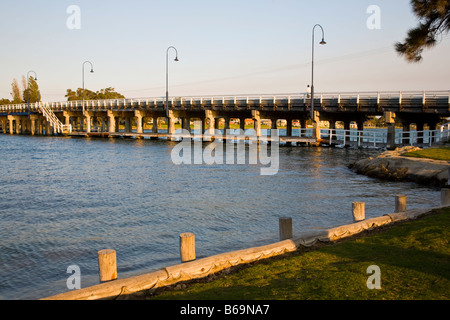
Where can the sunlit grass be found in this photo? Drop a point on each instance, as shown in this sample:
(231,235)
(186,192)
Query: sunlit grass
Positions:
(442,153)
(413,258)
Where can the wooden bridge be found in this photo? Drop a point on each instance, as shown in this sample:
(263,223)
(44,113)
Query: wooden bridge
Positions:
(103,117)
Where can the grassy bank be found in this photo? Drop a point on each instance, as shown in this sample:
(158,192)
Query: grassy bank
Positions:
(413,258)
(442,153)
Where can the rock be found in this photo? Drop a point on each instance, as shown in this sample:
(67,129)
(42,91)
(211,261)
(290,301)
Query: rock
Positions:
(392,166)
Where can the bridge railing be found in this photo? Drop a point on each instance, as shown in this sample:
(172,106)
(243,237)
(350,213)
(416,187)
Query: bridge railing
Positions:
(377,137)
(396,96)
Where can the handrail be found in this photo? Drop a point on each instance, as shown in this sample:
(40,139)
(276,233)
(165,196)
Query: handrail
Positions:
(325,95)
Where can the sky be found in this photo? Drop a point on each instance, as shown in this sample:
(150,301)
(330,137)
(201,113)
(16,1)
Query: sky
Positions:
(225,47)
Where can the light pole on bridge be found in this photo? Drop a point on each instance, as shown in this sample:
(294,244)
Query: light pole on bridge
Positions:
(167,77)
(312,68)
(92,71)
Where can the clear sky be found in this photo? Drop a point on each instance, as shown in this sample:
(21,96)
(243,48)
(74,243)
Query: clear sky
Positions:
(224,46)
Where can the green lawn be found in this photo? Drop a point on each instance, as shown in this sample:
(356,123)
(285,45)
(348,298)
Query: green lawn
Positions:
(413,258)
(442,153)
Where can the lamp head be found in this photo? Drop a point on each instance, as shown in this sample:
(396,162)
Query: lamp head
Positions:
(176,59)
(323,42)
(92,70)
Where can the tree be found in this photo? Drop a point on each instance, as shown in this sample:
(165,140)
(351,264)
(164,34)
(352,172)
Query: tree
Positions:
(4,101)
(32,93)
(434,21)
(17,97)
(107,93)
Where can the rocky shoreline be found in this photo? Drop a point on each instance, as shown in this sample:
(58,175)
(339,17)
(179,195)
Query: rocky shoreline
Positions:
(393,166)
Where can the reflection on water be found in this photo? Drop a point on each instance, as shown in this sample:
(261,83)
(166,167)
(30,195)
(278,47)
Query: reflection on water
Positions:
(63,199)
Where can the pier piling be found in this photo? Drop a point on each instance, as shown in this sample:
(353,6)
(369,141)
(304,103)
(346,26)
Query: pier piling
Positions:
(107,265)
(358,211)
(285,228)
(187,247)
(400,203)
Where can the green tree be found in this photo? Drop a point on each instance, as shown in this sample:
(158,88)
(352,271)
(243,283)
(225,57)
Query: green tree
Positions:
(434,21)
(32,93)
(17,97)
(107,93)
(4,101)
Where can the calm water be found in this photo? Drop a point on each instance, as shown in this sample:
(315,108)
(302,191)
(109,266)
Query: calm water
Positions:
(63,199)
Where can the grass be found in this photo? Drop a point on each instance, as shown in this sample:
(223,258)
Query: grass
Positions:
(413,258)
(442,153)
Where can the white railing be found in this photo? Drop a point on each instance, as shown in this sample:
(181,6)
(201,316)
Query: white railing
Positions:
(398,96)
(377,138)
(53,119)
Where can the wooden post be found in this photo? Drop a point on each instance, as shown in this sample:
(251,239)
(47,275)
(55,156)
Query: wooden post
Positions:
(445,197)
(107,265)
(187,247)
(400,203)
(285,228)
(358,211)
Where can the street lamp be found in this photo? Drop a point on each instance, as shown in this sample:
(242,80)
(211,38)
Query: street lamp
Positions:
(312,71)
(28,87)
(167,76)
(92,71)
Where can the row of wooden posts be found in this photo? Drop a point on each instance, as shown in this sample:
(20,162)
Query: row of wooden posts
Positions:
(107,258)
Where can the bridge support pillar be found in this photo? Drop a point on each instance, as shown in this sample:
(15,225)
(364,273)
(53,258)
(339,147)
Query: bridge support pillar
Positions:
(227,125)
(211,121)
(155,125)
(257,119)
(304,126)
(273,125)
(186,123)
(11,124)
(48,131)
(66,116)
(33,119)
(170,123)
(242,124)
(140,116)
(289,127)
(88,117)
(111,122)
(390,121)
(347,128)
(4,125)
(316,125)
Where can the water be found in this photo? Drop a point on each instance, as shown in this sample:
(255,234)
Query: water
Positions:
(63,199)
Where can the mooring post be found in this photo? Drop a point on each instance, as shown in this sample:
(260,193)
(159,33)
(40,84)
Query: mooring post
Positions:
(400,203)
(187,247)
(358,211)
(445,197)
(285,228)
(107,265)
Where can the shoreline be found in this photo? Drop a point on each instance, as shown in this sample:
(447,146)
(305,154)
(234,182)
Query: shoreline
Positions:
(202,268)
(393,166)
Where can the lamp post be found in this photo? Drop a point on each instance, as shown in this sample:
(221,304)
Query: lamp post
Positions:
(312,68)
(28,88)
(92,71)
(167,76)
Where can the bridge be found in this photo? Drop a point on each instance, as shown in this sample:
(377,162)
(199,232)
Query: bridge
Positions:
(103,117)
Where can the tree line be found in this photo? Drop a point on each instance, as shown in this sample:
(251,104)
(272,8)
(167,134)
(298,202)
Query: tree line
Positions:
(29,92)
